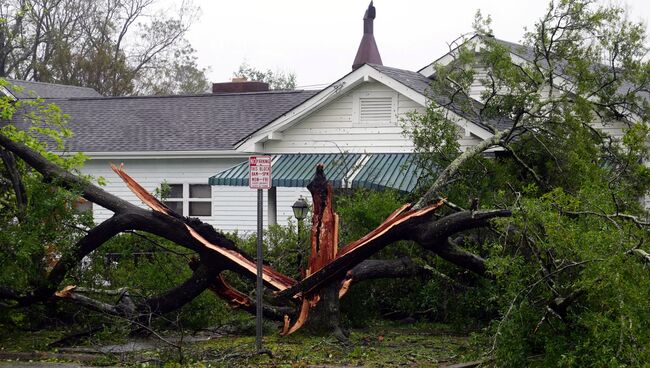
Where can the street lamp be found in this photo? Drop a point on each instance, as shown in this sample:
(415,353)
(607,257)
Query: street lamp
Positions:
(300,208)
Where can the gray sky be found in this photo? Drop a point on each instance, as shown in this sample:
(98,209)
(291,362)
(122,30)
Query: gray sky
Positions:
(317,40)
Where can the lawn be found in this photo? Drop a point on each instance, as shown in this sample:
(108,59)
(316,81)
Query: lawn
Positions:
(382,345)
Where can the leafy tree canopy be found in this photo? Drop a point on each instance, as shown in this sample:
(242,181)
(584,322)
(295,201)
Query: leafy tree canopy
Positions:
(118,47)
(569,114)
(275,79)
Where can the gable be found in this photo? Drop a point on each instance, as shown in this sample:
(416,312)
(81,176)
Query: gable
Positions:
(361,112)
(368,119)
(364,119)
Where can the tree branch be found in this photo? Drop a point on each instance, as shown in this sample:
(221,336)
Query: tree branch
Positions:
(16,180)
(455,165)
(52,172)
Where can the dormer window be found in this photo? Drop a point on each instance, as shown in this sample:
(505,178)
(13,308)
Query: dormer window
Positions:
(375,108)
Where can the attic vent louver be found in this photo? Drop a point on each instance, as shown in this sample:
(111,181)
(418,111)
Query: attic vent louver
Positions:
(375,108)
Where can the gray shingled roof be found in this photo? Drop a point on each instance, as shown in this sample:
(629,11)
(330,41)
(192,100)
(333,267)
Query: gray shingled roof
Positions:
(466,107)
(48,90)
(528,53)
(172,123)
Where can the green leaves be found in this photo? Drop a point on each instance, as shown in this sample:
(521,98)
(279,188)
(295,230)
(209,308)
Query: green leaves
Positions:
(567,287)
(278,79)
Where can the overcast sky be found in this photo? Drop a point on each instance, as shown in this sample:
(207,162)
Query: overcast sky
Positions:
(317,40)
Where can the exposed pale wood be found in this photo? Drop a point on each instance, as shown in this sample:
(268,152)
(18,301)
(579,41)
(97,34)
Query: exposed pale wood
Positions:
(142,193)
(271,277)
(375,231)
(65,292)
(345,286)
(354,253)
(302,317)
(234,297)
(218,253)
(335,248)
(324,224)
(285,326)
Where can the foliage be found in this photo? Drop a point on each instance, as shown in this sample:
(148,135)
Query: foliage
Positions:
(34,233)
(569,288)
(147,266)
(278,80)
(361,211)
(116,47)
(435,140)
(44,127)
(180,74)
(283,247)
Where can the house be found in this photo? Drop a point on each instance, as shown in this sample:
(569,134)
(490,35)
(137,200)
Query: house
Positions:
(198,145)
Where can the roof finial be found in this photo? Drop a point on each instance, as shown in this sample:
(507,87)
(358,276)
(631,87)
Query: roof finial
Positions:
(368,51)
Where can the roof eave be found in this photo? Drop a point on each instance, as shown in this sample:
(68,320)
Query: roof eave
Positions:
(159,154)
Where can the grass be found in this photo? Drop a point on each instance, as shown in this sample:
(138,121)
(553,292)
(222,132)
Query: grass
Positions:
(382,345)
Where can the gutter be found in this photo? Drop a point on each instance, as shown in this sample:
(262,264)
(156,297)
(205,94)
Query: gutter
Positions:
(152,155)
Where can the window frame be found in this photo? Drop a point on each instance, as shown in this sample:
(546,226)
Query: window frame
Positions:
(186,200)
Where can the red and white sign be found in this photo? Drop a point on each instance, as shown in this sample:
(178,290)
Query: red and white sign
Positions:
(259,172)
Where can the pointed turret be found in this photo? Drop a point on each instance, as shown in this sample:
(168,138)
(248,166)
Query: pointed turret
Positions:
(368,51)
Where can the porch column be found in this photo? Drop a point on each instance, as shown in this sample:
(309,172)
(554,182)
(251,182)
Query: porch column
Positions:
(272,198)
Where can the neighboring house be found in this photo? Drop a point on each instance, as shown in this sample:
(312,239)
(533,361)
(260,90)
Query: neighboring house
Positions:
(355,126)
(523,55)
(30,90)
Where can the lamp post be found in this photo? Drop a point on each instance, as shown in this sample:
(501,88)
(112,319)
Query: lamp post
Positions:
(300,209)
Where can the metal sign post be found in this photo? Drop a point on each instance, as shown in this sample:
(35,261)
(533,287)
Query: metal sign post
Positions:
(259,177)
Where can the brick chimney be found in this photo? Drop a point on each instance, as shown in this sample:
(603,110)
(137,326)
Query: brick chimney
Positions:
(238,85)
(368,51)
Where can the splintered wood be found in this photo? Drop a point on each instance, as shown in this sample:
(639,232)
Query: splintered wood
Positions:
(324,223)
(271,277)
(326,264)
(323,239)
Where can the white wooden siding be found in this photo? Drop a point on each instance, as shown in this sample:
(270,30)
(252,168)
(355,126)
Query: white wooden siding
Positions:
(615,129)
(477,87)
(233,208)
(334,128)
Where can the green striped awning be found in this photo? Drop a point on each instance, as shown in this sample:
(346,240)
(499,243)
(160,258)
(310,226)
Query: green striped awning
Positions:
(388,170)
(345,170)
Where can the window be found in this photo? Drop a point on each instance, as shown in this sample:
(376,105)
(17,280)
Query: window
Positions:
(200,200)
(375,108)
(190,199)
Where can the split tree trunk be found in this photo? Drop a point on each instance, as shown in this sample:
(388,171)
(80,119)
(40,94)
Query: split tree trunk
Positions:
(328,266)
(325,319)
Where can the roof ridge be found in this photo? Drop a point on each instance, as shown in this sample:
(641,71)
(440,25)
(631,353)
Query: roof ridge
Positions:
(48,83)
(375,66)
(205,95)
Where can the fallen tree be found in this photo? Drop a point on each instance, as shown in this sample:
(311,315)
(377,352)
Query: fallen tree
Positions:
(328,266)
(565,274)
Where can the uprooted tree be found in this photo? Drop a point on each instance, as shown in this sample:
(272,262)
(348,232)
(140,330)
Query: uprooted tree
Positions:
(564,246)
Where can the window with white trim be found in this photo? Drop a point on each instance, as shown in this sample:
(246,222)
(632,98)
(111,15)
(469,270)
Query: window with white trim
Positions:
(374,108)
(190,199)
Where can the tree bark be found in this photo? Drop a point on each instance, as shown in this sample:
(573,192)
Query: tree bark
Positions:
(326,316)
(327,268)
(16,180)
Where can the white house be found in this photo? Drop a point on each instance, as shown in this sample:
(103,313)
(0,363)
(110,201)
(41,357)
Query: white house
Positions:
(355,125)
